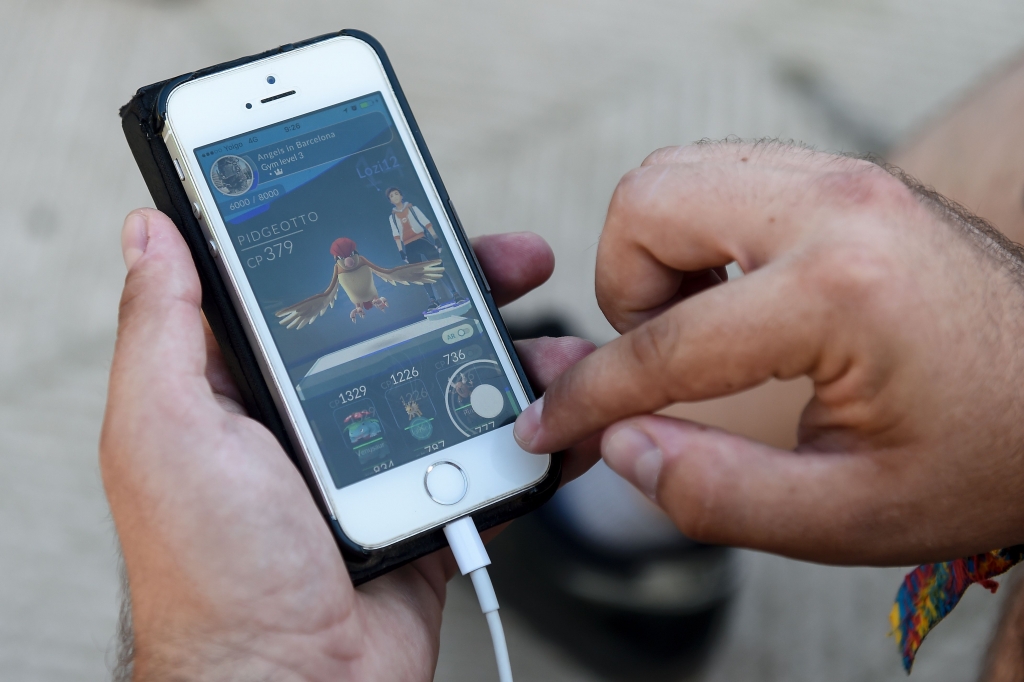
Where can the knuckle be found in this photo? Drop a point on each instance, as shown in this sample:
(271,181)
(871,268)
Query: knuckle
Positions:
(572,406)
(624,196)
(864,184)
(662,155)
(132,297)
(852,273)
(154,284)
(651,344)
(607,293)
(627,205)
(688,494)
(694,519)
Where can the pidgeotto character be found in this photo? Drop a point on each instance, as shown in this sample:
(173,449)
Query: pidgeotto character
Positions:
(354,273)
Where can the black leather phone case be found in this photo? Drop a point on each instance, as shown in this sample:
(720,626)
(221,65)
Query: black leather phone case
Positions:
(142,120)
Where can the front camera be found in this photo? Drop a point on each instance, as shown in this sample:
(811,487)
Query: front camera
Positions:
(271,80)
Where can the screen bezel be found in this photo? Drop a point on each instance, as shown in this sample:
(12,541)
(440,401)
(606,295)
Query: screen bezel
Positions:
(378,511)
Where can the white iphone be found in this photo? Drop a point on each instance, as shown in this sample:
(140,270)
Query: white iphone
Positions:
(372,325)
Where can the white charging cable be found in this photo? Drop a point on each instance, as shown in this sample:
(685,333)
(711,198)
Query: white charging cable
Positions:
(472,559)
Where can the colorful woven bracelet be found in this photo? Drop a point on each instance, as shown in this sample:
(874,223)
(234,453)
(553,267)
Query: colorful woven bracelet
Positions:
(930,592)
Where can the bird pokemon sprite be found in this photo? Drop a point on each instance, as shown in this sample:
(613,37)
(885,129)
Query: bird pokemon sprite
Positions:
(354,273)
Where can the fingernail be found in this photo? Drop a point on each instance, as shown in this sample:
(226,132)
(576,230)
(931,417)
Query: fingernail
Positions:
(528,424)
(134,238)
(630,453)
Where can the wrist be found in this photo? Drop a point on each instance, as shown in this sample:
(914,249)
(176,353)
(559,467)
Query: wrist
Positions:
(233,658)
(207,666)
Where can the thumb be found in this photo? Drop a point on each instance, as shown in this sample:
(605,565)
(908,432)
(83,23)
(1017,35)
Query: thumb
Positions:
(723,489)
(160,325)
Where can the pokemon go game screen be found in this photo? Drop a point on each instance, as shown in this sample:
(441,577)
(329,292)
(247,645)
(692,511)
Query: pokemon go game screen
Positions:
(357,283)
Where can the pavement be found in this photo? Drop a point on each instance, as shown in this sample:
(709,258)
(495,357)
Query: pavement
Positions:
(532,110)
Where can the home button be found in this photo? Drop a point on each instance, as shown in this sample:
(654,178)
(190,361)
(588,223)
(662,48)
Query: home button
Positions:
(445,483)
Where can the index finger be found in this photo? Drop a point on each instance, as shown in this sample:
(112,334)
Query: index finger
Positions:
(726,340)
(698,208)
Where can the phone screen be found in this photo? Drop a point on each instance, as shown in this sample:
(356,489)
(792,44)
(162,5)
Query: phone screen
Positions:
(356,281)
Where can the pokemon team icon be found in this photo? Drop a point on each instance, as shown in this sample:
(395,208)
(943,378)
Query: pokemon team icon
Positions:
(232,175)
(354,273)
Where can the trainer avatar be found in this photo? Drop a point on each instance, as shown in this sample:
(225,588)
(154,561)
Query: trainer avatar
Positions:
(410,227)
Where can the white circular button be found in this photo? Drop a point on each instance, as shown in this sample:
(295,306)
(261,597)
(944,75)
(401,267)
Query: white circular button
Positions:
(487,401)
(445,483)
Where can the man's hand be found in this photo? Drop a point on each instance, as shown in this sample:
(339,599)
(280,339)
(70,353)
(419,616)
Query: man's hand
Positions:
(232,570)
(907,314)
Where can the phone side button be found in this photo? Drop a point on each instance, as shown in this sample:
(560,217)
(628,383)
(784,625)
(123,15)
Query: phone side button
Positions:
(445,483)
(458,223)
(177,167)
(213,249)
(487,285)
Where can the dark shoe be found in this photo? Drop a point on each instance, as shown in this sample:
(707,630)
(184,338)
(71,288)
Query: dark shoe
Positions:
(628,613)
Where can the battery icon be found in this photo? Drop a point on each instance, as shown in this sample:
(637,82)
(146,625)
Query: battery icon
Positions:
(363,105)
